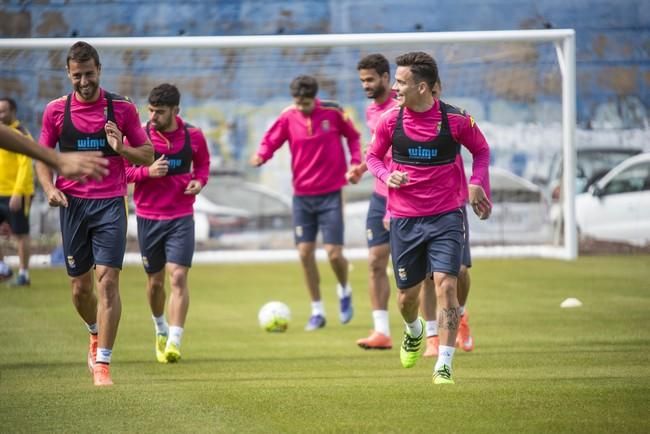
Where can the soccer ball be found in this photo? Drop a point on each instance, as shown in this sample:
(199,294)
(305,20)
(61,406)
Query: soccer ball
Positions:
(274,316)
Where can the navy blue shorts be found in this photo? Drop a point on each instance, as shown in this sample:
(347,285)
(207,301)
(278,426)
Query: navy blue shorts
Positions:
(94,233)
(163,241)
(376,233)
(18,220)
(324,211)
(422,245)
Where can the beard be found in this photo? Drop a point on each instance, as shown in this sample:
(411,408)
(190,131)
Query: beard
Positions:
(88,91)
(376,92)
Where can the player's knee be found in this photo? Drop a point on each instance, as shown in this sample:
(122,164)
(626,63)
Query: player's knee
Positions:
(177,278)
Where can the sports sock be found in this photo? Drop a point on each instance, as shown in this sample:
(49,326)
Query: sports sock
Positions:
(461,310)
(161,324)
(380,318)
(414,328)
(317,308)
(343,290)
(92,328)
(432,328)
(445,356)
(175,335)
(104,355)
(24,272)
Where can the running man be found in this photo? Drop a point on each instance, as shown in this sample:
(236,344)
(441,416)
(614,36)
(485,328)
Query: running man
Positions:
(166,222)
(426,197)
(93,213)
(16,193)
(314,129)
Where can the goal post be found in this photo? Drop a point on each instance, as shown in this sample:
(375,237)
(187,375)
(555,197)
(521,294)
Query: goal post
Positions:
(163,57)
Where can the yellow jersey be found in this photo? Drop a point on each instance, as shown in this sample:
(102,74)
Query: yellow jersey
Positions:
(16,172)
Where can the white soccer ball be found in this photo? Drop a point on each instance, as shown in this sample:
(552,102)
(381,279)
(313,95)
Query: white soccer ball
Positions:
(274,316)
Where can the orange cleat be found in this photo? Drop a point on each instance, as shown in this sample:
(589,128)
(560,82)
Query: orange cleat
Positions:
(92,352)
(432,346)
(464,337)
(102,375)
(376,341)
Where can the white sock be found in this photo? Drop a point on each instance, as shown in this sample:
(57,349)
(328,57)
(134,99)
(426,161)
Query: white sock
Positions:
(432,328)
(317,308)
(161,324)
(445,356)
(461,311)
(380,319)
(92,328)
(343,290)
(175,335)
(24,272)
(414,329)
(104,355)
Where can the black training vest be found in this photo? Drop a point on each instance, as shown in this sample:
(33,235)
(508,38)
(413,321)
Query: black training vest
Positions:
(72,140)
(180,162)
(443,149)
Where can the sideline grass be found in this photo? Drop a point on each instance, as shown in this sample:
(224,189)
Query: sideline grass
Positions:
(536,367)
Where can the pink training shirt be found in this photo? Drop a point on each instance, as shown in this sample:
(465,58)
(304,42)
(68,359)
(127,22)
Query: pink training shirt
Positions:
(317,155)
(89,118)
(150,202)
(430,190)
(373,113)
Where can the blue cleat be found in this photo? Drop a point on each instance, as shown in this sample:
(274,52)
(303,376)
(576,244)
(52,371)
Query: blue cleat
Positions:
(315,322)
(20,280)
(346,310)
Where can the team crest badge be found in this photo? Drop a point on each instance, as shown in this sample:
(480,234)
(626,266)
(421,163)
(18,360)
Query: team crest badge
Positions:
(325,125)
(369,234)
(145,262)
(438,127)
(401,272)
(71,262)
(299,231)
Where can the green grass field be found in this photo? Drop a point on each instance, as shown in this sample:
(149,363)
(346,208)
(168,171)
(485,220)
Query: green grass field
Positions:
(536,367)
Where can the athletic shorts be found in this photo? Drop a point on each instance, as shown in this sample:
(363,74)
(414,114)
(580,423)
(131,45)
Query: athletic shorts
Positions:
(376,233)
(163,241)
(467,254)
(324,211)
(94,233)
(422,245)
(18,220)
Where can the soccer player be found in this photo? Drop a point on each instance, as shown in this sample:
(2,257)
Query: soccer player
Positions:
(71,165)
(166,222)
(93,214)
(426,198)
(314,129)
(16,193)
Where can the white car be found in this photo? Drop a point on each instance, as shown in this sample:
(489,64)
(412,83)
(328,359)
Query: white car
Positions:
(617,207)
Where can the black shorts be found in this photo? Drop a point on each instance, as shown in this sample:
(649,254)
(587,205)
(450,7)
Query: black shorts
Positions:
(324,211)
(94,233)
(163,241)
(376,233)
(422,245)
(18,220)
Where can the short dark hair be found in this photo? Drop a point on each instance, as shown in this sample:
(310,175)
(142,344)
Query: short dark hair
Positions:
(12,103)
(165,94)
(422,65)
(82,52)
(304,86)
(375,61)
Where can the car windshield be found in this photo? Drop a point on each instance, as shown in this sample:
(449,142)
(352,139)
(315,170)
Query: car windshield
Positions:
(595,164)
(235,192)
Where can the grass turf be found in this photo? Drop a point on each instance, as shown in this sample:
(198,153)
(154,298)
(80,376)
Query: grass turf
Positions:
(536,367)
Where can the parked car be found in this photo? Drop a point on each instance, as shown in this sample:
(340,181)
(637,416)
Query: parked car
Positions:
(519,214)
(617,207)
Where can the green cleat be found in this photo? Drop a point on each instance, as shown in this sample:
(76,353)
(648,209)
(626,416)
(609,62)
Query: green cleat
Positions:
(411,348)
(172,353)
(443,376)
(161,342)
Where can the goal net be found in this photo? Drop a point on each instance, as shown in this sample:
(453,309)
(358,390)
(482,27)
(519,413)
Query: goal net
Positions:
(518,85)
